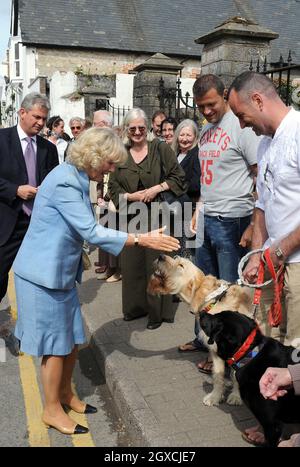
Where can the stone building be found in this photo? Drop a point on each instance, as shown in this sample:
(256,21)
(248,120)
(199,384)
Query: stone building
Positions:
(85,53)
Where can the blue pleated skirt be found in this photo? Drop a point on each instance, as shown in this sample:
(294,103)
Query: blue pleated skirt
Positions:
(49,320)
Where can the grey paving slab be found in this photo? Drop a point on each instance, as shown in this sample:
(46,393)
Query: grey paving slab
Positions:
(158,390)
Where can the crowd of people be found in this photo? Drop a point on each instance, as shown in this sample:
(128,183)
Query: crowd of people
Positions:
(238,176)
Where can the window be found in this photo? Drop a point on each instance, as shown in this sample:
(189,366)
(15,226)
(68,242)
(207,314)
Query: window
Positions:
(17,59)
(17,70)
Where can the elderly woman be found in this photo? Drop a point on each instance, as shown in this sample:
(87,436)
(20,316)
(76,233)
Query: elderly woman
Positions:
(140,180)
(49,321)
(185,146)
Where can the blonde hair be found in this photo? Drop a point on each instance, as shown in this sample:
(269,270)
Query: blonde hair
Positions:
(187,123)
(134,114)
(95,146)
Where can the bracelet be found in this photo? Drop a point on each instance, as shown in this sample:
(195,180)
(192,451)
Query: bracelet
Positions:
(136,239)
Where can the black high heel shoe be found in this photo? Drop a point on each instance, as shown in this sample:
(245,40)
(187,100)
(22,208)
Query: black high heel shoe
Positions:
(87,410)
(77,430)
(90,409)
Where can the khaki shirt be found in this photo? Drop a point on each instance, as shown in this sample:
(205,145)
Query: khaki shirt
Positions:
(126,177)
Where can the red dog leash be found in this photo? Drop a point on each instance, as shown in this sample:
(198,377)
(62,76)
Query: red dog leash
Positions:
(275,311)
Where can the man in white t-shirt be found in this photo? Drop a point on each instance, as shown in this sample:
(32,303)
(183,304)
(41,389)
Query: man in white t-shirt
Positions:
(254,100)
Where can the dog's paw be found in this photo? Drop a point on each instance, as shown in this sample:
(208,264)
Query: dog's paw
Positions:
(234,399)
(228,384)
(212,399)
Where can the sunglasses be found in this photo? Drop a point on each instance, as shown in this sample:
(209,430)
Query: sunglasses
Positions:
(133,129)
(75,127)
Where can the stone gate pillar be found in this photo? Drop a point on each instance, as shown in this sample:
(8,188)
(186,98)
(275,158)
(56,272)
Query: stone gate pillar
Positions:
(146,81)
(96,90)
(229,48)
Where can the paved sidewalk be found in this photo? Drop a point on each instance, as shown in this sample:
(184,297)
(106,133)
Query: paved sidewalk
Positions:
(157,389)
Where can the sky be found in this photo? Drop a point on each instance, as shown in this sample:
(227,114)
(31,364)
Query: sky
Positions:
(4,26)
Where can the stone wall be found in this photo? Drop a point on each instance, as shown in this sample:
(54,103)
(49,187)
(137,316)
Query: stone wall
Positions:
(229,57)
(230,46)
(98,62)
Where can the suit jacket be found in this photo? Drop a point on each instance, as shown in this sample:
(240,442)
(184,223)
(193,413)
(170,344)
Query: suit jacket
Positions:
(13,173)
(62,217)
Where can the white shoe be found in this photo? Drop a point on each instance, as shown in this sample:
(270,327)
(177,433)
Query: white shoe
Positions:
(114,278)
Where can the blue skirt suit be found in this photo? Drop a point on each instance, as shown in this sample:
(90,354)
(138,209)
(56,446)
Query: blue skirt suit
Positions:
(49,320)
(49,263)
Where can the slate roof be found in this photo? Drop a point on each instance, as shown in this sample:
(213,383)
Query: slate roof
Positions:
(166,26)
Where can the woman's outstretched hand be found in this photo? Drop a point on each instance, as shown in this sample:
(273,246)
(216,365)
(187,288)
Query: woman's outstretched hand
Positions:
(156,239)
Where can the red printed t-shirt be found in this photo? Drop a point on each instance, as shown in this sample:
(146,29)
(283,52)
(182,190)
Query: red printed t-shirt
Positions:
(226,154)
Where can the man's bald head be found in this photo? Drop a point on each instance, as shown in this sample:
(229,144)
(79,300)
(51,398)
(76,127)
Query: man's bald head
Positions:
(102,118)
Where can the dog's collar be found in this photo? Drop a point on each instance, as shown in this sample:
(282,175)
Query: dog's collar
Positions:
(246,359)
(219,293)
(243,350)
(208,307)
(216,296)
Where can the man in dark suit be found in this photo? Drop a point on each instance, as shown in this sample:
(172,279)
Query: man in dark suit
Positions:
(25,160)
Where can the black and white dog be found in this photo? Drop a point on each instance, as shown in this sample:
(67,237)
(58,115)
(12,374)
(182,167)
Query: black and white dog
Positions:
(235,335)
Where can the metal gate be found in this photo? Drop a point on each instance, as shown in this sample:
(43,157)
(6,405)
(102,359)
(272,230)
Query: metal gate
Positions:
(175,104)
(282,75)
(117,112)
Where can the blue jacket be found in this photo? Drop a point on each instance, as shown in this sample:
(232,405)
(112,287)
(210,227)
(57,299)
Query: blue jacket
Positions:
(50,254)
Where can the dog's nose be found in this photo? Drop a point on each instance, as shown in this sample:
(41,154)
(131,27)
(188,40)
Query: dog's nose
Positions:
(162,257)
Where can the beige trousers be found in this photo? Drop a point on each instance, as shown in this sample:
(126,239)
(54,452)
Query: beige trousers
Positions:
(289,330)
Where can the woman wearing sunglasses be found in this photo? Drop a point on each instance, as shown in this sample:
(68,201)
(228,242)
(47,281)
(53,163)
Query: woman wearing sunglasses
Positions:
(139,180)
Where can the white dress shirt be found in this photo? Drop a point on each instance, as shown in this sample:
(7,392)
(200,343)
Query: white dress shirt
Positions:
(23,136)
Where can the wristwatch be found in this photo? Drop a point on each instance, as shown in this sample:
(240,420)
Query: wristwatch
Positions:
(278,252)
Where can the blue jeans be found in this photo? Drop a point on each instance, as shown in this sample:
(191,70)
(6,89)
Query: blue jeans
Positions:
(220,253)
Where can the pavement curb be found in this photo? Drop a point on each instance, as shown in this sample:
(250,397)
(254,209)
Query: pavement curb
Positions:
(139,419)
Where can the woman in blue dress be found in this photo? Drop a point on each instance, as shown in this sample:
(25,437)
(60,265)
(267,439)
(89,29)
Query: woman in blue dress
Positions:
(49,263)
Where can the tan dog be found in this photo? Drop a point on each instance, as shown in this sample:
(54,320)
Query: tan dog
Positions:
(179,276)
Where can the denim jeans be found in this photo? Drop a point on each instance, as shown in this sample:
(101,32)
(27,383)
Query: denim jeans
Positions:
(220,252)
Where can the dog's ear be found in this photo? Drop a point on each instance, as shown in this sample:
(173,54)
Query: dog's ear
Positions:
(187,290)
(216,329)
(211,325)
